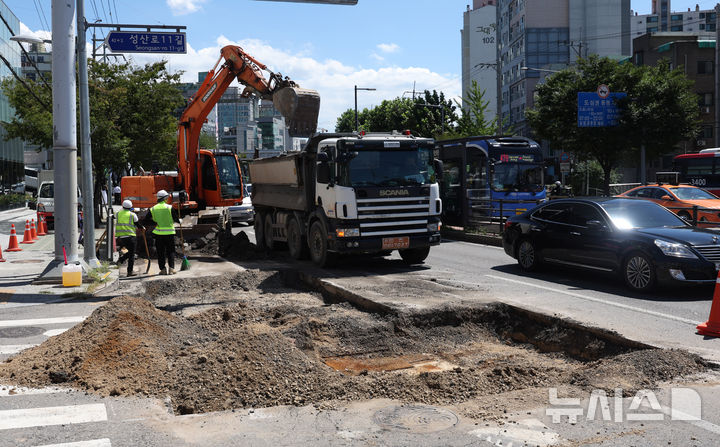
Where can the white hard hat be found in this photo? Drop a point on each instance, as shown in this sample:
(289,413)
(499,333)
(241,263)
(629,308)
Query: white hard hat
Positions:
(127,204)
(162,194)
(558,182)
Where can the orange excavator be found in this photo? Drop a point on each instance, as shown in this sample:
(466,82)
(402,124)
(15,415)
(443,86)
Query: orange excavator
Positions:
(209,181)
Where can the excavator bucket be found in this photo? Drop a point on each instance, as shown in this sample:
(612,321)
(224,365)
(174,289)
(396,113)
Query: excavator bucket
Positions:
(300,107)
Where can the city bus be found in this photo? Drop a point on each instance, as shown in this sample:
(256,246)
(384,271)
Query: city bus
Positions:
(487,177)
(701,169)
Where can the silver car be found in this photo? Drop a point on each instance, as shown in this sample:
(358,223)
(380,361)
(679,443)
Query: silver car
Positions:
(243,212)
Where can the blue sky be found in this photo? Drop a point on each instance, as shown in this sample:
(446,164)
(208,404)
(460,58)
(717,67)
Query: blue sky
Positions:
(387,45)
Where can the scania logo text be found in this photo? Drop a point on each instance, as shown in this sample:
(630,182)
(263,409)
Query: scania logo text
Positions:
(394,192)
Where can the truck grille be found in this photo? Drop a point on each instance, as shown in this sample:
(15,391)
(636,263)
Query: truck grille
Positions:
(393,216)
(709,252)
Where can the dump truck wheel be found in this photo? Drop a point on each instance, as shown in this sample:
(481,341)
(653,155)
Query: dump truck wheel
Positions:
(317,240)
(295,240)
(414,255)
(259,230)
(269,241)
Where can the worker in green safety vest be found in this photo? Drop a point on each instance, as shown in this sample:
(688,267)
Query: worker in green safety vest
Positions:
(125,232)
(164,232)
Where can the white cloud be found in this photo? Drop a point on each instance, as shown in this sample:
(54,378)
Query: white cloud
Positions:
(333,79)
(183,7)
(377,57)
(388,47)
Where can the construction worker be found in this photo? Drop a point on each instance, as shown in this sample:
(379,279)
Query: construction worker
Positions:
(164,232)
(127,222)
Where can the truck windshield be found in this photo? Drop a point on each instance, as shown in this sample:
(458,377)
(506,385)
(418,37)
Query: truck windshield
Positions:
(229,175)
(389,168)
(517,177)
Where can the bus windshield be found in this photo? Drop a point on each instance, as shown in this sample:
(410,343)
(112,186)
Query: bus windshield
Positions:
(389,168)
(517,177)
(229,175)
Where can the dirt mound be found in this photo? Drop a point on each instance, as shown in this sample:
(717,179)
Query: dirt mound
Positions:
(248,340)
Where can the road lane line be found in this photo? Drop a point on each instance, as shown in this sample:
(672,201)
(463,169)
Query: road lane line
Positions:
(13,349)
(600,300)
(11,390)
(40,417)
(40,321)
(91,443)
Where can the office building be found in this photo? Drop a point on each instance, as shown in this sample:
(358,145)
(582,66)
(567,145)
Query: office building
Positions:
(36,65)
(11,152)
(479,53)
(552,34)
(690,21)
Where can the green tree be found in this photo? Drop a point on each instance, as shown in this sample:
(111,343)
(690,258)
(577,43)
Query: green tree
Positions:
(207,141)
(472,117)
(403,114)
(660,110)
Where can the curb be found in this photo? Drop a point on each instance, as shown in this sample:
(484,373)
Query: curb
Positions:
(473,238)
(336,293)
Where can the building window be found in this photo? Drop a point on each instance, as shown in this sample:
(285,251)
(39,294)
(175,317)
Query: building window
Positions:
(676,28)
(706,99)
(639,58)
(707,131)
(652,19)
(652,29)
(676,17)
(705,67)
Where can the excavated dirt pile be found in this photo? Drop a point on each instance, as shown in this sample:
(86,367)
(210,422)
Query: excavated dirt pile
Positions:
(250,340)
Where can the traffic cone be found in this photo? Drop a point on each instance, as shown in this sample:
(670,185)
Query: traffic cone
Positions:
(27,235)
(33,230)
(712,327)
(42,230)
(13,245)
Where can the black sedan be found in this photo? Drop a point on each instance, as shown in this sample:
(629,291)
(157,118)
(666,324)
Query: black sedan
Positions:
(641,240)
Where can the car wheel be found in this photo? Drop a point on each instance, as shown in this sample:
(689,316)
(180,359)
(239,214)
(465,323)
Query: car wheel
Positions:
(527,255)
(639,272)
(414,255)
(269,240)
(259,230)
(318,242)
(295,240)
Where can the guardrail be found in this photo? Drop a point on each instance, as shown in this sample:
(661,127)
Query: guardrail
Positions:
(485,217)
(693,213)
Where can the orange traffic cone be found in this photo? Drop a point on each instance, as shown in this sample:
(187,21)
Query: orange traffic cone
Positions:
(13,245)
(33,230)
(27,236)
(712,327)
(42,230)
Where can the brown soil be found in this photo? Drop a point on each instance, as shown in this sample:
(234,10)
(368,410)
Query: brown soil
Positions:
(249,340)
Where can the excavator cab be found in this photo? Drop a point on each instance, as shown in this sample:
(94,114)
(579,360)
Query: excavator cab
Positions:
(220,180)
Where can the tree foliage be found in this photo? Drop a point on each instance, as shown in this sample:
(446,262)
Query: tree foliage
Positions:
(472,118)
(660,110)
(404,113)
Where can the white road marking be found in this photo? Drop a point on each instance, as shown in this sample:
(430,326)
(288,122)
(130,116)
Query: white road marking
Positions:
(474,244)
(53,332)
(10,390)
(91,443)
(600,300)
(36,417)
(40,321)
(13,349)
(507,434)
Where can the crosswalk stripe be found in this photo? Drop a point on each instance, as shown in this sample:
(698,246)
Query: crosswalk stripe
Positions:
(13,349)
(91,443)
(40,321)
(34,417)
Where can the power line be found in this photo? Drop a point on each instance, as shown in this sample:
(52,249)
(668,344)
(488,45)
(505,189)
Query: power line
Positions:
(41,14)
(116,13)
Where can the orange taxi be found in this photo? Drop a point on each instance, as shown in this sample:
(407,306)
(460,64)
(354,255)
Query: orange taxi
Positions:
(680,199)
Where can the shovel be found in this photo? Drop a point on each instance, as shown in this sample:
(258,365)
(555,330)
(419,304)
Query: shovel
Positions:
(147,252)
(185,265)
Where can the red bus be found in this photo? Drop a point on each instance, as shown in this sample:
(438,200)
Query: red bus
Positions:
(701,169)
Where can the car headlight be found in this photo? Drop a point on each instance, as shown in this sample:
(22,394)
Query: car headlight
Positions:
(674,249)
(347,232)
(433,227)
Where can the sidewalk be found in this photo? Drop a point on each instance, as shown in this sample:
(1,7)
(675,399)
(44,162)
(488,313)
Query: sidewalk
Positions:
(22,268)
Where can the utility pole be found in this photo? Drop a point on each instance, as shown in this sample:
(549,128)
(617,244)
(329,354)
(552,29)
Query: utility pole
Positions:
(86,148)
(64,136)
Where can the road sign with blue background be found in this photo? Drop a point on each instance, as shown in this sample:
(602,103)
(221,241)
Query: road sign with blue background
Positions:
(146,42)
(595,111)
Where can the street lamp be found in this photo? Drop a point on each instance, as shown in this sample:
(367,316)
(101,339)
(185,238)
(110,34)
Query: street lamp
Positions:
(357,125)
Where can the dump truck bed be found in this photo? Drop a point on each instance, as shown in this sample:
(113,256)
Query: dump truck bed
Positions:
(279,181)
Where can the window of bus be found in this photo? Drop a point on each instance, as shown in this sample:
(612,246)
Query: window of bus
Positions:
(520,177)
(698,166)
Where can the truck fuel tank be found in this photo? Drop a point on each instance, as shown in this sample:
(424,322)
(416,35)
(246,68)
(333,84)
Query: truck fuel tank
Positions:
(300,107)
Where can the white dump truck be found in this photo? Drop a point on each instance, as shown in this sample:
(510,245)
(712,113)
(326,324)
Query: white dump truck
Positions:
(350,193)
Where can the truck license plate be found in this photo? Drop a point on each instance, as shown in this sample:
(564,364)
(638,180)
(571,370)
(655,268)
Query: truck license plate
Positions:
(393,243)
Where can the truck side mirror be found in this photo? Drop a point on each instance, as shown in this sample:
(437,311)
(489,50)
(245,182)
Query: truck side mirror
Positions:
(438,164)
(323,172)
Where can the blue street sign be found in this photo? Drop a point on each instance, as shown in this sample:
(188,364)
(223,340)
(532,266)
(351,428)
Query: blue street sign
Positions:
(594,111)
(146,42)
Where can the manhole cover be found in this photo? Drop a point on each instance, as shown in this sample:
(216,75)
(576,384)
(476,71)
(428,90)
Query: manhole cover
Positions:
(17,332)
(27,261)
(415,418)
